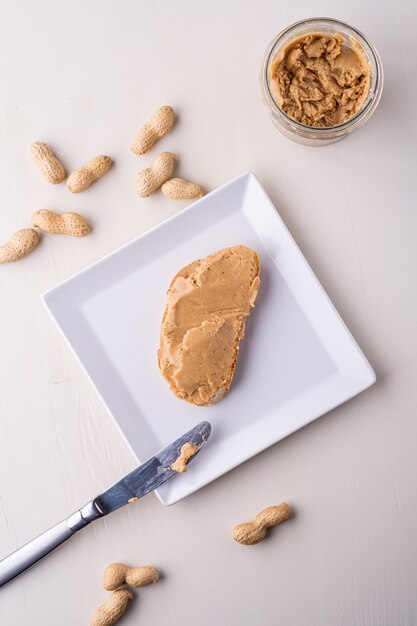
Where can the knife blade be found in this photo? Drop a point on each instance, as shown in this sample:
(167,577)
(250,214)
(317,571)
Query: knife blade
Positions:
(148,476)
(152,473)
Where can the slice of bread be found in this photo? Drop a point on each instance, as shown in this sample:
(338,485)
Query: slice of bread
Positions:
(204,320)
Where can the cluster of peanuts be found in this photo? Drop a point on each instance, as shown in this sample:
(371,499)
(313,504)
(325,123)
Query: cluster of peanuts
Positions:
(74,224)
(158,176)
(118,574)
(149,180)
(115,575)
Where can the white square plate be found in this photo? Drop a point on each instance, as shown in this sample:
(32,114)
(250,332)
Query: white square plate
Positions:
(297,361)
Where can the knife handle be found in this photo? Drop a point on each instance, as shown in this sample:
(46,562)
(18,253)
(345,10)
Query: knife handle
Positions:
(23,558)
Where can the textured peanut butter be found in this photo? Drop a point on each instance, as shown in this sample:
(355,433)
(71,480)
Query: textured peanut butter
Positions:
(204,320)
(188,450)
(320,80)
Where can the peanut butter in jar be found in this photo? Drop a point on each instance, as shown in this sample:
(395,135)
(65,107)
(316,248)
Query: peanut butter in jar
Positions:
(320,80)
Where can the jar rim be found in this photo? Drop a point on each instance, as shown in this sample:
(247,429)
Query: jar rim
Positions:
(364,112)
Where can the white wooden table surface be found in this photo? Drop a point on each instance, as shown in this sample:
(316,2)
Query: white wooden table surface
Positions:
(82,75)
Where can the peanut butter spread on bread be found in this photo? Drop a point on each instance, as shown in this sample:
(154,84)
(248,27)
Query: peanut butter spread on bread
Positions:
(204,320)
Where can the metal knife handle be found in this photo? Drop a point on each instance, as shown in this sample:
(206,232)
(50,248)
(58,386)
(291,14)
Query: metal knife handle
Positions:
(23,558)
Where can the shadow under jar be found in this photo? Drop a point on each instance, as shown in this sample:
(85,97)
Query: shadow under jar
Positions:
(296,70)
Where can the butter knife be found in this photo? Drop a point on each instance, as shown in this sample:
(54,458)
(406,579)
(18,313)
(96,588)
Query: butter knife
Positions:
(148,476)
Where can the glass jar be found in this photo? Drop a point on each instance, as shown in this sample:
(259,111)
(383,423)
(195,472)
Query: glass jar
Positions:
(309,135)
